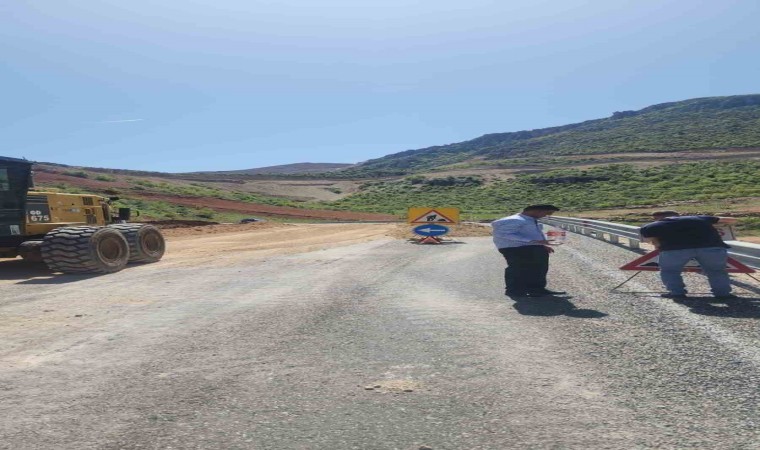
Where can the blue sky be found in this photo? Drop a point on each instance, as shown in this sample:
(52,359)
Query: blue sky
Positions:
(189,85)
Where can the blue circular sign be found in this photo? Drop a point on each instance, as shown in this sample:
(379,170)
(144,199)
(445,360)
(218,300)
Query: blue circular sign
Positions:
(431,230)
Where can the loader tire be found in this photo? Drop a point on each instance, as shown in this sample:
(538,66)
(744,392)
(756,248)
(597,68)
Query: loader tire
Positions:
(146,243)
(30,251)
(85,250)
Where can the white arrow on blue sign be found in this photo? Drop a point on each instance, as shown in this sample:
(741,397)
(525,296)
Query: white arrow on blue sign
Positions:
(431,230)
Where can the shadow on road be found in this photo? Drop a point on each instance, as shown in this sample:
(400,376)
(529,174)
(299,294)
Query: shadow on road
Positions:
(18,269)
(741,308)
(753,288)
(34,273)
(59,278)
(552,306)
(414,241)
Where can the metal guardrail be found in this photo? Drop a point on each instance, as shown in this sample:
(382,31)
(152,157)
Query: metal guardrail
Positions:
(744,252)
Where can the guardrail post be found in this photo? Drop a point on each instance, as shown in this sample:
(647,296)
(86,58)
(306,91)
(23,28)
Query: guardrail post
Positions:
(633,243)
(614,239)
(584,231)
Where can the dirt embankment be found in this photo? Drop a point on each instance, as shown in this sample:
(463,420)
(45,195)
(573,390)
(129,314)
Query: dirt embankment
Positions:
(229,242)
(225,243)
(222,243)
(189,228)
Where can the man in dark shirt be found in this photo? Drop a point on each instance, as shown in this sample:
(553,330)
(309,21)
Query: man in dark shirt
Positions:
(682,238)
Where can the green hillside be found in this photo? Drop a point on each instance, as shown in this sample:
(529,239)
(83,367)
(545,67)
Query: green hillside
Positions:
(612,186)
(703,123)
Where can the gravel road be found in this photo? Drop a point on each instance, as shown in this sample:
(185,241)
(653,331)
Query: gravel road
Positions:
(374,345)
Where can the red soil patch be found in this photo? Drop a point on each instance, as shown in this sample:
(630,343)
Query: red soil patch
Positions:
(171,224)
(41,177)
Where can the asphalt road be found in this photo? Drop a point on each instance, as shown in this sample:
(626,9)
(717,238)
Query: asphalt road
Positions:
(379,345)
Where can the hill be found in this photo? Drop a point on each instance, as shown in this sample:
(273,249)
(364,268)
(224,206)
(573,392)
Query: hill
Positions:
(285,169)
(714,123)
(255,173)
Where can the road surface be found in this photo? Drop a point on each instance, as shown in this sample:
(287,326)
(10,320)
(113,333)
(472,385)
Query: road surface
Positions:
(374,344)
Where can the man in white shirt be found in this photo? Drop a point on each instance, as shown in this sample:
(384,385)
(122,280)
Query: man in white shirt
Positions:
(520,239)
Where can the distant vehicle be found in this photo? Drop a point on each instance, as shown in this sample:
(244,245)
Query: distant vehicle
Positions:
(251,220)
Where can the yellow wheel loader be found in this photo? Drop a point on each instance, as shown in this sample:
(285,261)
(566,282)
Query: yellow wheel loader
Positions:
(71,233)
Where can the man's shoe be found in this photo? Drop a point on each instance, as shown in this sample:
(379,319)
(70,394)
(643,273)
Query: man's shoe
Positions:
(515,293)
(726,297)
(672,295)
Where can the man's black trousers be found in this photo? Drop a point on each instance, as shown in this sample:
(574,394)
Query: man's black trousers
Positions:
(526,268)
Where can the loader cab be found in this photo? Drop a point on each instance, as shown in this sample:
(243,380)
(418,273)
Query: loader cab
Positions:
(15,180)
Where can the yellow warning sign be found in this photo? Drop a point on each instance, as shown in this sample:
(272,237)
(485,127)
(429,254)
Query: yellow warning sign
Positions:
(433,215)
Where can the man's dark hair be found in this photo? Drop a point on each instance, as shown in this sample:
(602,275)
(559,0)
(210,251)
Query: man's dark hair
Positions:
(540,208)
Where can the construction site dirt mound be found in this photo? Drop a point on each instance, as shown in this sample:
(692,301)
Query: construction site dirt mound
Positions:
(223,243)
(186,229)
(209,228)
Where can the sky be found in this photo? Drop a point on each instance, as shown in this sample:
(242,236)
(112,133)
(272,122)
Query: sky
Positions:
(193,85)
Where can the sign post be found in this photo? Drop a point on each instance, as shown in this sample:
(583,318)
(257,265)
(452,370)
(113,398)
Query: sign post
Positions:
(433,222)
